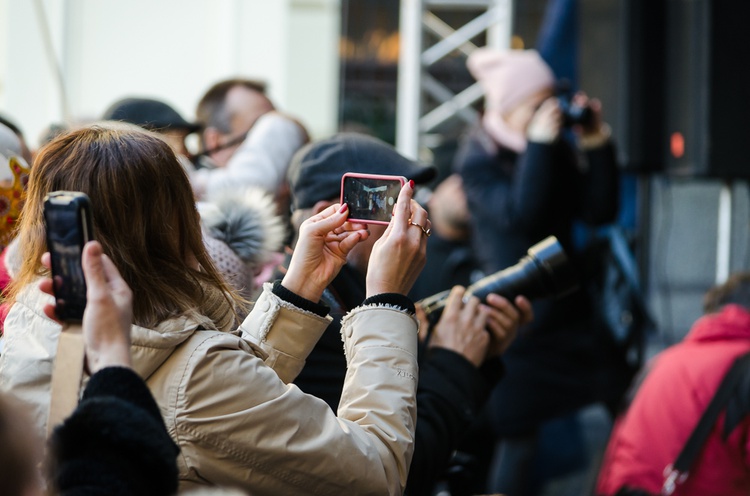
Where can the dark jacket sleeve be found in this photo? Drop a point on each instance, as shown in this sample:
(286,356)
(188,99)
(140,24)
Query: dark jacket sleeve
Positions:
(449,395)
(508,191)
(600,186)
(534,187)
(115,442)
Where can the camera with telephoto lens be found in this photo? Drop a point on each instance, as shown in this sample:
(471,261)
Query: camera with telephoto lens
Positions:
(544,272)
(572,114)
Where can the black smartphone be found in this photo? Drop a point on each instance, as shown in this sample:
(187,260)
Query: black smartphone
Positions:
(67,218)
(370,197)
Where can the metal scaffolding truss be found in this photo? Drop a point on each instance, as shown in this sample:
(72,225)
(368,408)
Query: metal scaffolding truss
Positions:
(415,83)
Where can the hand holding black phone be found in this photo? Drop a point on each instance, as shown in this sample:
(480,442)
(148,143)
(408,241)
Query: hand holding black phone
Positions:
(67,217)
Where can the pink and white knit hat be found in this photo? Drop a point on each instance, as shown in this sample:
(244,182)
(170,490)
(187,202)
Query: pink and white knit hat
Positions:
(508,77)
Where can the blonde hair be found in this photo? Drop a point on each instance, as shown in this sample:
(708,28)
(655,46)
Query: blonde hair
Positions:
(144,215)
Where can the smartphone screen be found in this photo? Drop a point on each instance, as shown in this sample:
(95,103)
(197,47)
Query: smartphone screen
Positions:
(370,197)
(68,224)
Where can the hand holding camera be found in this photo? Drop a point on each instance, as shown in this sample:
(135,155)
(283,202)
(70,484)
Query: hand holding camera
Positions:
(593,132)
(478,330)
(583,115)
(575,111)
(546,123)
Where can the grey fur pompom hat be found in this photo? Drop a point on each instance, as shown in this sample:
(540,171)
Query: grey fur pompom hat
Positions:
(242,231)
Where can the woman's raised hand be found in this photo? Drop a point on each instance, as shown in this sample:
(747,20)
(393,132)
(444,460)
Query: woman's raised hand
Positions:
(109,310)
(398,256)
(546,124)
(324,241)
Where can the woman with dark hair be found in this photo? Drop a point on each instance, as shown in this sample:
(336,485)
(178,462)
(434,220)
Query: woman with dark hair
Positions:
(224,392)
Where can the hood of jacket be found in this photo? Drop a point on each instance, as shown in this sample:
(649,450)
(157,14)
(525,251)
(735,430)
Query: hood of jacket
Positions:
(731,322)
(152,347)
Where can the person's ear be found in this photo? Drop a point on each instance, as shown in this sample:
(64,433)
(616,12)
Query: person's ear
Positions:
(322,205)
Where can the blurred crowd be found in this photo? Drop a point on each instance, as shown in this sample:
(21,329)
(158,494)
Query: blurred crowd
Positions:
(243,336)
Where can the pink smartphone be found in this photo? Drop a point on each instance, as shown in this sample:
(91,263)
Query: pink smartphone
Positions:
(370,197)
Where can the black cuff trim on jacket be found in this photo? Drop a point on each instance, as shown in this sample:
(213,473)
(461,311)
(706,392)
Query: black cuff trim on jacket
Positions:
(298,301)
(394,299)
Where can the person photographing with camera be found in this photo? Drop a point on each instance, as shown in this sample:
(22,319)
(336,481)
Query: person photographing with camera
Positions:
(461,363)
(525,180)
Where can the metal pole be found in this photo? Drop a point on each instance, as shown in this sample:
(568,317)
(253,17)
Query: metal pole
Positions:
(408,101)
(456,39)
(501,32)
(459,106)
(410,125)
(724,234)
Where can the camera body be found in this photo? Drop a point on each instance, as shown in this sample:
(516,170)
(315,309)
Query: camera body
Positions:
(67,217)
(370,197)
(574,114)
(544,272)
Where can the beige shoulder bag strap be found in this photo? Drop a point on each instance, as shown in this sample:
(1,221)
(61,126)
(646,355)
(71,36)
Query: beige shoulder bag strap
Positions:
(67,372)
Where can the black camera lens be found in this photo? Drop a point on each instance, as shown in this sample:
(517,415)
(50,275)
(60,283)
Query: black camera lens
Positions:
(544,272)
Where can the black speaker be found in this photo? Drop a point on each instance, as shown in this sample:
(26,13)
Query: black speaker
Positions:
(639,129)
(707,88)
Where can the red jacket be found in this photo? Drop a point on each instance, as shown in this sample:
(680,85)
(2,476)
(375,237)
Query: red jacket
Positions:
(674,395)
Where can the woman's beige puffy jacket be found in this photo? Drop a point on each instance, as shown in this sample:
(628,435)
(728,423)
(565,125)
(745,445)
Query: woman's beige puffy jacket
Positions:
(226,401)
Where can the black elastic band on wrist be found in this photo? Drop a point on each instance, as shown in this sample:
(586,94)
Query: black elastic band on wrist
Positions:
(298,301)
(394,299)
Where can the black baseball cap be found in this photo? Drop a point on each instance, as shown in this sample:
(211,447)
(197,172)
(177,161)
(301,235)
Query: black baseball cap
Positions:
(149,114)
(315,170)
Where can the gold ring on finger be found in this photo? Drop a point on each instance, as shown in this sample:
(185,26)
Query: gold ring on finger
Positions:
(426,231)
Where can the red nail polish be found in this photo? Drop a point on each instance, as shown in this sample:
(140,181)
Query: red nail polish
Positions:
(343,208)
(411,183)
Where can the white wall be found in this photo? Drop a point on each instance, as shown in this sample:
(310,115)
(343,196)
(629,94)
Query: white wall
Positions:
(167,49)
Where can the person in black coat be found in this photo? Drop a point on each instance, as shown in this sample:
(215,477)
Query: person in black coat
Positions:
(460,364)
(524,182)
